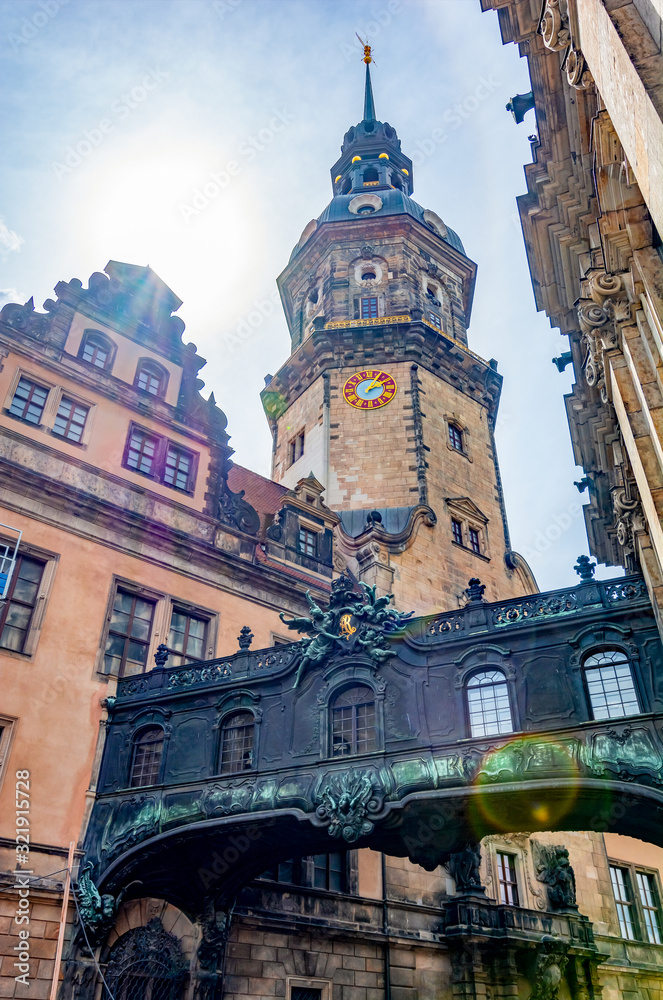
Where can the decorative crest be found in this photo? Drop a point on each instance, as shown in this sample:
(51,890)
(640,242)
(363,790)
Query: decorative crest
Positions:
(354,622)
(345,801)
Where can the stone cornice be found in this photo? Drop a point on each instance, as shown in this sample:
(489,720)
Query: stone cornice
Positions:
(329,349)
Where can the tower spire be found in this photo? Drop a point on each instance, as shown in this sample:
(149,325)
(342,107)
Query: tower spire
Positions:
(369,103)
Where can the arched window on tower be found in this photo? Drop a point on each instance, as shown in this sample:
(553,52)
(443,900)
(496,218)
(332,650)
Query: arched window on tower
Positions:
(610,685)
(488,705)
(371,176)
(146,759)
(347,186)
(352,718)
(237,740)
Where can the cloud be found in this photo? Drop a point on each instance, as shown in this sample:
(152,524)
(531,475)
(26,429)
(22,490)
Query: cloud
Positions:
(9,240)
(10,295)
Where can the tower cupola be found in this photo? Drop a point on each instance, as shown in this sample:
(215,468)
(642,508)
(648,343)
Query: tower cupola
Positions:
(371,157)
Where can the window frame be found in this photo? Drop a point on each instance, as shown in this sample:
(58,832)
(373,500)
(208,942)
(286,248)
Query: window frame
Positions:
(158,369)
(50,562)
(331,709)
(134,746)
(127,637)
(510,887)
(455,432)
(296,447)
(163,443)
(223,722)
(310,539)
(637,908)
(209,641)
(369,299)
(606,648)
(324,985)
(158,598)
(8,726)
(88,333)
(36,382)
(475,672)
(474,540)
(457,532)
(67,397)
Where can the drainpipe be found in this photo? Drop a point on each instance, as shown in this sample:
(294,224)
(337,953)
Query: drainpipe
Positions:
(385,931)
(326,430)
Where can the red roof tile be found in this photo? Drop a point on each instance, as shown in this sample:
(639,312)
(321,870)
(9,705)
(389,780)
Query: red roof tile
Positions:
(263,494)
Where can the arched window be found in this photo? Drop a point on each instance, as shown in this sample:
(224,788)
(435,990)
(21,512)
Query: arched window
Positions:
(610,685)
(353,721)
(455,437)
(237,741)
(347,186)
(96,349)
(488,704)
(146,761)
(146,963)
(371,176)
(151,377)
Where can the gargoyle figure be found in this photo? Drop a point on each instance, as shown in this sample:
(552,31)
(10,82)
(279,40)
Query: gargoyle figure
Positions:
(463,866)
(97,911)
(554,869)
(214,925)
(345,802)
(353,622)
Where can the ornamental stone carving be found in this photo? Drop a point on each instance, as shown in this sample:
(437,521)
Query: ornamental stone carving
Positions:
(549,970)
(577,72)
(345,802)
(553,26)
(601,314)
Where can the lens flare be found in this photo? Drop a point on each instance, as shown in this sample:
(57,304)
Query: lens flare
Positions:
(525,760)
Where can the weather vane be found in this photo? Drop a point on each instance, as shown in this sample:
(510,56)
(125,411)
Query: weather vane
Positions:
(368,58)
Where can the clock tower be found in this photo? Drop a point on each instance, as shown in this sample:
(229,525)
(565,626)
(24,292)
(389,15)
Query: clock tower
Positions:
(381,399)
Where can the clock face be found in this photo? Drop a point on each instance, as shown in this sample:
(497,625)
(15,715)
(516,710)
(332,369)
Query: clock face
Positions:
(369,389)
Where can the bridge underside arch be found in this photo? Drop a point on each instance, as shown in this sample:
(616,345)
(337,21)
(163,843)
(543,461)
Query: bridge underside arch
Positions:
(217,857)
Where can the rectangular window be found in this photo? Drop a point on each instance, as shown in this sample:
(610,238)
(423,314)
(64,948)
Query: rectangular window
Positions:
(296,448)
(474,540)
(142,451)
(457,532)
(179,464)
(435,320)
(308,542)
(6,733)
(455,437)
(369,307)
(506,873)
(70,420)
(305,993)
(17,613)
(621,887)
(329,871)
(186,639)
(29,401)
(160,459)
(129,634)
(651,907)
(287,871)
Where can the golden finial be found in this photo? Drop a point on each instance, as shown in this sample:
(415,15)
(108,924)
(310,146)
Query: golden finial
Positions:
(368,58)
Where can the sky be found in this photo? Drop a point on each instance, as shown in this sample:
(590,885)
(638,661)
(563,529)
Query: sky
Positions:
(196,136)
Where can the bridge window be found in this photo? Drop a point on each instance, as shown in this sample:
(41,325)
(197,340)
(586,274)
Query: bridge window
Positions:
(488,704)
(237,743)
(289,871)
(353,721)
(146,763)
(610,685)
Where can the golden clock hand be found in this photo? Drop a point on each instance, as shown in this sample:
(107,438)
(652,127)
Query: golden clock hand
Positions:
(374,384)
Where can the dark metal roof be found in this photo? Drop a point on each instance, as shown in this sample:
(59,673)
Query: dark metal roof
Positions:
(394,202)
